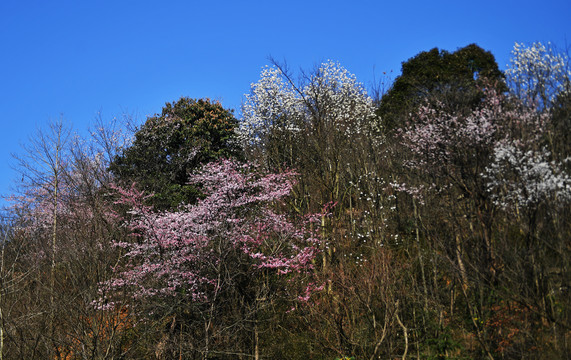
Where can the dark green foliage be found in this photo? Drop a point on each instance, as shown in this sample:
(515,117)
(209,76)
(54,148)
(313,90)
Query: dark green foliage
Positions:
(451,78)
(443,344)
(187,134)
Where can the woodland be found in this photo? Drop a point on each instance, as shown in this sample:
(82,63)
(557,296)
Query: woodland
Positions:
(424,218)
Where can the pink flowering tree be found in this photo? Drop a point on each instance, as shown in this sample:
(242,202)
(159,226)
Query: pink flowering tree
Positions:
(447,153)
(232,244)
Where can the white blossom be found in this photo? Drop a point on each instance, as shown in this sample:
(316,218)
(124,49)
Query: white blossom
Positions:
(538,73)
(332,97)
(273,102)
(523,178)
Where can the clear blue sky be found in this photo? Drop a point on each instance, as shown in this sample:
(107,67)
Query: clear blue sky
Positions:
(78,58)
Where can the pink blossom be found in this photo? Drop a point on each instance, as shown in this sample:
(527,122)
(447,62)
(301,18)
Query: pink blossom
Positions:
(177,253)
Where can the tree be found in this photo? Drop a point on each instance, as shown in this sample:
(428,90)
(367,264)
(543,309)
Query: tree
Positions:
(43,170)
(169,146)
(538,74)
(59,249)
(448,153)
(310,126)
(230,246)
(560,129)
(453,79)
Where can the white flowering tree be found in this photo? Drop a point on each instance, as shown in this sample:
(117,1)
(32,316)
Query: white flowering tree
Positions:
(311,124)
(331,95)
(325,127)
(538,73)
(520,178)
(273,103)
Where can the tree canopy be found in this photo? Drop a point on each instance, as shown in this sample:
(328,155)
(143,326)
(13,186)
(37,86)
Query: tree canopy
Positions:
(187,134)
(452,78)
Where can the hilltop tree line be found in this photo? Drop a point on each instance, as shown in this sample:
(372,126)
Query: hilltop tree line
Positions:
(431,221)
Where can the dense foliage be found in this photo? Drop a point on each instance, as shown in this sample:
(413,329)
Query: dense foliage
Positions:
(454,79)
(187,134)
(435,225)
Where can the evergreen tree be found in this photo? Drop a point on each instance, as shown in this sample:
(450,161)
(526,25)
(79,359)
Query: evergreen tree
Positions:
(187,134)
(438,75)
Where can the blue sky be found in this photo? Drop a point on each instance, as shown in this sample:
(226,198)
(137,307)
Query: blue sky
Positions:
(81,58)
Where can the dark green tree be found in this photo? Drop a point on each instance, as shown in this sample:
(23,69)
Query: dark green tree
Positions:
(187,134)
(454,79)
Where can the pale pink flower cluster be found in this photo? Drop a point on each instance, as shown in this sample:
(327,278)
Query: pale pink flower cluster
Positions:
(494,143)
(177,253)
(438,138)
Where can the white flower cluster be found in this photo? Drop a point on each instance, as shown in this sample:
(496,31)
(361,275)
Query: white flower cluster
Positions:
(273,102)
(538,73)
(519,178)
(331,97)
(339,100)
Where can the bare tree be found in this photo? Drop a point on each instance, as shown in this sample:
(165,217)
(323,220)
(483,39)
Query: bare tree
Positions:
(43,169)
